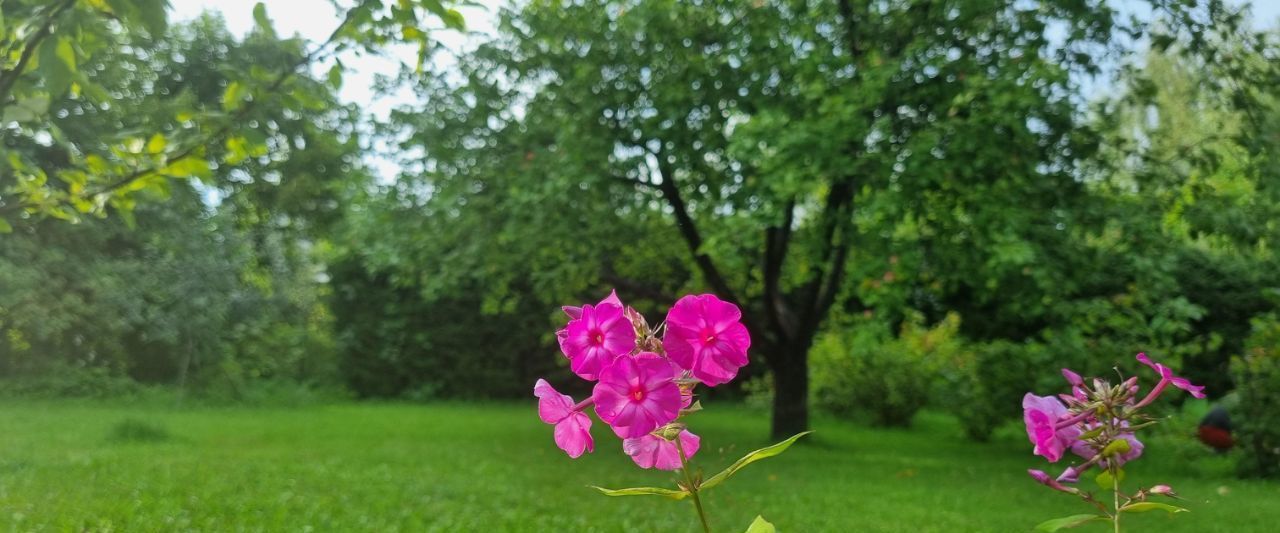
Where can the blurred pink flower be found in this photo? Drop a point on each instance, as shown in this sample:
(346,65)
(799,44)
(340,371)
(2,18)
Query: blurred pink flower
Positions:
(598,336)
(1046,428)
(704,335)
(573,427)
(1168,378)
(636,395)
(652,451)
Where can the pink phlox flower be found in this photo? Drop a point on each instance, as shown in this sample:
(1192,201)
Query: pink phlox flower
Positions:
(1167,375)
(652,451)
(636,395)
(573,427)
(1087,450)
(1042,415)
(599,335)
(705,335)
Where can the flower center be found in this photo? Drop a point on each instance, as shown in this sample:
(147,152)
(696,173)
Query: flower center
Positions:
(708,336)
(597,338)
(637,394)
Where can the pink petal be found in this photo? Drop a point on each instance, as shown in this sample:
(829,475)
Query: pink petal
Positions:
(612,298)
(573,435)
(651,451)
(552,406)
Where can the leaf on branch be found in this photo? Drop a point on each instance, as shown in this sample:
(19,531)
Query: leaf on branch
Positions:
(260,18)
(762,453)
(232,96)
(644,491)
(1142,507)
(760,525)
(1070,521)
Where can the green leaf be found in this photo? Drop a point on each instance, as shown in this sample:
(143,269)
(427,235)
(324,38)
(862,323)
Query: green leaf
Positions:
(5,227)
(66,53)
(1142,507)
(260,18)
(1104,479)
(1120,446)
(644,491)
(453,20)
(762,453)
(156,144)
(27,109)
(237,150)
(232,95)
(335,76)
(1070,521)
(760,525)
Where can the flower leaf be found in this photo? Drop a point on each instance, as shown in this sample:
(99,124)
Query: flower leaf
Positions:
(762,453)
(1070,521)
(1142,507)
(760,525)
(1105,481)
(643,491)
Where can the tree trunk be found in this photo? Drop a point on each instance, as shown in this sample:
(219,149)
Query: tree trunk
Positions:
(790,392)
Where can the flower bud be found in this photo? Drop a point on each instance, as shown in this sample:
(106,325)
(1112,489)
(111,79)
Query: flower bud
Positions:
(1070,475)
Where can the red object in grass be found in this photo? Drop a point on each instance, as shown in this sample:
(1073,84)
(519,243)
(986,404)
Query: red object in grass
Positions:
(1217,438)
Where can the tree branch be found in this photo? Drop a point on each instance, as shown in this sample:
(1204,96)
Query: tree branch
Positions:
(10,77)
(226,128)
(776,243)
(688,230)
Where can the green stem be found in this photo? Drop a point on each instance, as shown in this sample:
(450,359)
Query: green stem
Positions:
(692,487)
(1115,488)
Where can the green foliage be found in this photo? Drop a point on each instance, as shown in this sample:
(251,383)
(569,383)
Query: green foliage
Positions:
(62,380)
(984,386)
(758,455)
(396,343)
(52,56)
(866,371)
(1257,415)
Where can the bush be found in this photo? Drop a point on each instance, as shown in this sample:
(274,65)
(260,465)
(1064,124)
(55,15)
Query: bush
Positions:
(62,380)
(1257,417)
(984,386)
(866,372)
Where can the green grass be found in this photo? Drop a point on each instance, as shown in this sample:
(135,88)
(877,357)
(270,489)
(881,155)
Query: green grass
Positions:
(371,467)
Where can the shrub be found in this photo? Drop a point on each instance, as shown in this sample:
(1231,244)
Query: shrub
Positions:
(984,384)
(866,372)
(62,380)
(1257,420)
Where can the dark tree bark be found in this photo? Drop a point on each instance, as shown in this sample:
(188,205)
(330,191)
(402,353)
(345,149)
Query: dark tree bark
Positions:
(791,391)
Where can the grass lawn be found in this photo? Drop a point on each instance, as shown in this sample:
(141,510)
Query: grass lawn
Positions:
(386,467)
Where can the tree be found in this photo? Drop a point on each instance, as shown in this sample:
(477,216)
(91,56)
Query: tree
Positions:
(188,290)
(795,150)
(47,55)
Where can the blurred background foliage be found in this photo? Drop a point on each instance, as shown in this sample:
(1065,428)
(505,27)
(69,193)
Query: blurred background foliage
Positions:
(917,204)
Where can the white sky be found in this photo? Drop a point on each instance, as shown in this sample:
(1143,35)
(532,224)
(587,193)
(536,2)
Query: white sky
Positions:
(315,19)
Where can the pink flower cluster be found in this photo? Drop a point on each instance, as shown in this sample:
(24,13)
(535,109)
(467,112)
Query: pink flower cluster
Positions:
(1096,422)
(643,382)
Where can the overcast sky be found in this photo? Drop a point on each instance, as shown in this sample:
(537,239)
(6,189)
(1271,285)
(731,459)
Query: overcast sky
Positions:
(315,19)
